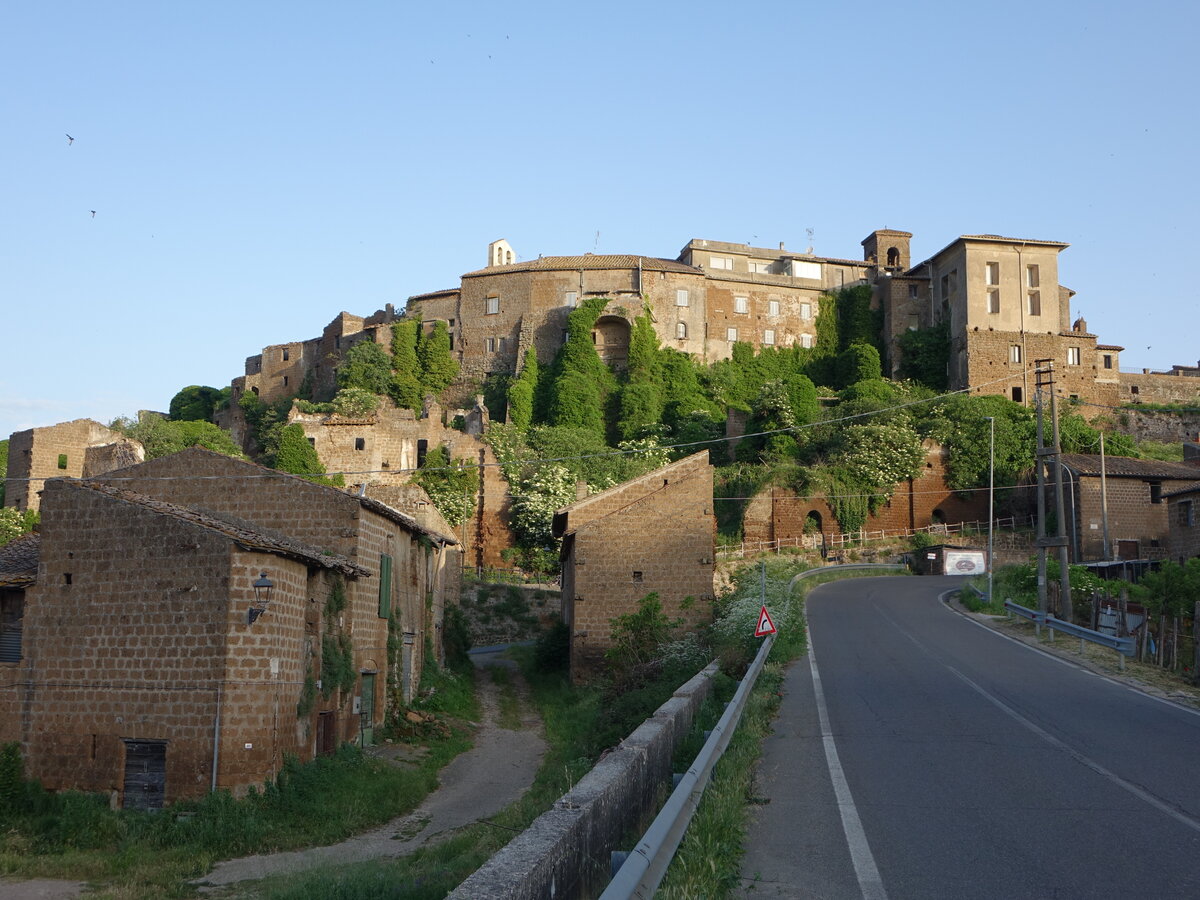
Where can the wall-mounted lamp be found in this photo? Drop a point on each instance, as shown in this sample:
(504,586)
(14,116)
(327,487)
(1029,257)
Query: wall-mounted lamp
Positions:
(262,598)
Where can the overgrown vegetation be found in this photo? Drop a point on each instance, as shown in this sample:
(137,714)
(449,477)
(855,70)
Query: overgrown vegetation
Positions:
(14,523)
(162,437)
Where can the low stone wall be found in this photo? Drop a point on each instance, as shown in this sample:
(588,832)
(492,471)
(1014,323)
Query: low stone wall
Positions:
(566,850)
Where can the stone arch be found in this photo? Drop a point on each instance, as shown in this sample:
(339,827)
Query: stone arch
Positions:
(813,523)
(893,257)
(611,337)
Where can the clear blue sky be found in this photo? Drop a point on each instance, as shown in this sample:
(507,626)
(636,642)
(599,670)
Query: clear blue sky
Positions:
(258,167)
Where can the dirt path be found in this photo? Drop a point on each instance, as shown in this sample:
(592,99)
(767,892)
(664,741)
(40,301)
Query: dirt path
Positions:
(475,785)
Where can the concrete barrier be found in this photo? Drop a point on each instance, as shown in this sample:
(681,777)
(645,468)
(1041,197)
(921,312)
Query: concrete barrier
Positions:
(567,848)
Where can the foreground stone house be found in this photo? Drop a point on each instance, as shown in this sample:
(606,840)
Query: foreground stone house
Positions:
(73,449)
(1183,522)
(654,533)
(142,669)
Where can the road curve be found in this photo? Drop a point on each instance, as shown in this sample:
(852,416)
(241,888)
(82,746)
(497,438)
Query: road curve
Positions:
(930,757)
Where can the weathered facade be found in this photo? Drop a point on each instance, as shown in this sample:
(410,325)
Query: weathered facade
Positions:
(1183,523)
(1138,520)
(780,514)
(655,534)
(70,449)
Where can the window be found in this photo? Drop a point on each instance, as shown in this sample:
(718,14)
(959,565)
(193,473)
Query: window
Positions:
(422,451)
(12,611)
(1014,353)
(772,307)
(991,273)
(731,334)
(503,344)
(360,443)
(954,281)
(720,262)
(912,292)
(806,341)
(62,460)
(312,442)
(994,302)
(571,299)
(285,381)
(1133,389)
(945,286)
(491,345)
(1187,515)
(681,330)
(493,305)
(1072,356)
(760,267)
(1031,276)
(914,322)
(637,576)
(806,310)
(285,354)
(1034,307)
(769,337)
(385,585)
(741,305)
(1156,492)
(1018,395)
(1108,360)
(681,297)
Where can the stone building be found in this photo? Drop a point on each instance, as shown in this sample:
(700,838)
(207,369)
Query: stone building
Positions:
(1183,522)
(781,514)
(135,638)
(654,533)
(1138,521)
(383,450)
(73,449)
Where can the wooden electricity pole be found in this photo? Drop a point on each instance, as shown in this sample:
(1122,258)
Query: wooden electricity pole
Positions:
(1044,372)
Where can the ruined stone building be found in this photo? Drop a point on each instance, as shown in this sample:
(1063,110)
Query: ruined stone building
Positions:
(140,655)
(1183,522)
(73,449)
(654,533)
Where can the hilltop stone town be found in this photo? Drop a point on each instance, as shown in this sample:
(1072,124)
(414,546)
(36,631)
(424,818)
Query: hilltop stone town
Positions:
(297,614)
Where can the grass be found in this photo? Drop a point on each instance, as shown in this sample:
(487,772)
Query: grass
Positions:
(510,705)
(130,855)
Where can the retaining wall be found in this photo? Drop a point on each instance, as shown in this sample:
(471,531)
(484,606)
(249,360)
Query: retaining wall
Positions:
(566,850)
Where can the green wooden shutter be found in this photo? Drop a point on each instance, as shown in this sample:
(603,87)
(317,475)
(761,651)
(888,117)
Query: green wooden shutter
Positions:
(385,585)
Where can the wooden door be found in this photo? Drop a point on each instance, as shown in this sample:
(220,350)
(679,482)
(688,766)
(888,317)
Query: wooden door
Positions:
(145,774)
(326,733)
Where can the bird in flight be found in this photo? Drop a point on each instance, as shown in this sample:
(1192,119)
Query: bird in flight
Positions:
(93,214)
(70,140)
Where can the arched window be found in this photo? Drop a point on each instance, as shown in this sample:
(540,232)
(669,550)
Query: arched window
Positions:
(893,257)
(681,330)
(508,258)
(499,256)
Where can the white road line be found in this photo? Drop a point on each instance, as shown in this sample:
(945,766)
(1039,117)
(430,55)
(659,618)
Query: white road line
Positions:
(865,869)
(1050,739)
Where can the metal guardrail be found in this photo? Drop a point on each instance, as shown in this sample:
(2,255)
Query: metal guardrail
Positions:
(1123,645)
(641,871)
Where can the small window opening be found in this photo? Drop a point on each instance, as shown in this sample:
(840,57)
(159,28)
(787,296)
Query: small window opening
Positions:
(422,449)
(637,577)
(360,443)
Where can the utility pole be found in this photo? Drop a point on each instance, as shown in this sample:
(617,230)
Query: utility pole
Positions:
(1044,370)
(1039,458)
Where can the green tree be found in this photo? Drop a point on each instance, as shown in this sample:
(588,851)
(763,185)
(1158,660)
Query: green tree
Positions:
(580,381)
(452,485)
(438,366)
(522,390)
(960,424)
(355,402)
(196,403)
(366,365)
(3,466)
(297,456)
(858,362)
(14,523)
(404,386)
(925,356)
(161,437)
(772,413)
(640,402)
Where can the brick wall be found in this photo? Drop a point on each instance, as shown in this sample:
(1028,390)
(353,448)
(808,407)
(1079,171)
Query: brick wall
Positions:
(1131,516)
(652,534)
(1183,524)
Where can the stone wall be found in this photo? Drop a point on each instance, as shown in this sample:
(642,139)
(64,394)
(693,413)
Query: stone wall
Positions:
(565,852)
(1132,517)
(1158,387)
(1183,522)
(69,449)
(652,534)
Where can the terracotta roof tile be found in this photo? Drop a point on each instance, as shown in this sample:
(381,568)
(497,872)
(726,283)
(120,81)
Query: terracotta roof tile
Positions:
(242,534)
(589,261)
(1128,467)
(1186,489)
(19,560)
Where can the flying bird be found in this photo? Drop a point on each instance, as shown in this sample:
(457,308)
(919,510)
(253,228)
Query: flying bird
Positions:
(70,140)
(93,214)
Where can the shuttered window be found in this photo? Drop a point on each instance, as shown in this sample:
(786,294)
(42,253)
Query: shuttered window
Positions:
(385,586)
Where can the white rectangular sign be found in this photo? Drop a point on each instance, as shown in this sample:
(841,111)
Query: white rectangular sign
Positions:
(965,562)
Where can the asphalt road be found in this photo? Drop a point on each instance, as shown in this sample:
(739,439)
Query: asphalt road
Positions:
(948,761)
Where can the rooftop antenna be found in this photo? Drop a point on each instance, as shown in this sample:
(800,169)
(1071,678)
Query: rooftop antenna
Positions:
(810,232)
(596,245)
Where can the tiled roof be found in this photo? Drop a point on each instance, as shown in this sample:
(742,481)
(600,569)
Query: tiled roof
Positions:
(240,533)
(1108,347)
(1186,489)
(1010,240)
(1127,467)
(589,261)
(429,294)
(19,560)
(374,505)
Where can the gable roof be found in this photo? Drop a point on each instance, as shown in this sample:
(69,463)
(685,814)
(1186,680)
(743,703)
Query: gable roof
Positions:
(244,535)
(19,560)
(1128,467)
(1192,488)
(335,494)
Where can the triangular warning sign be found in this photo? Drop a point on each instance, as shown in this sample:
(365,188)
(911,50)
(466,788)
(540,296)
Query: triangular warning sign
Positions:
(765,625)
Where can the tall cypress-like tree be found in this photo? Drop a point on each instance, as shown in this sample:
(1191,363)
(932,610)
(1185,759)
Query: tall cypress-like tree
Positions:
(522,390)
(438,366)
(640,406)
(581,382)
(405,385)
